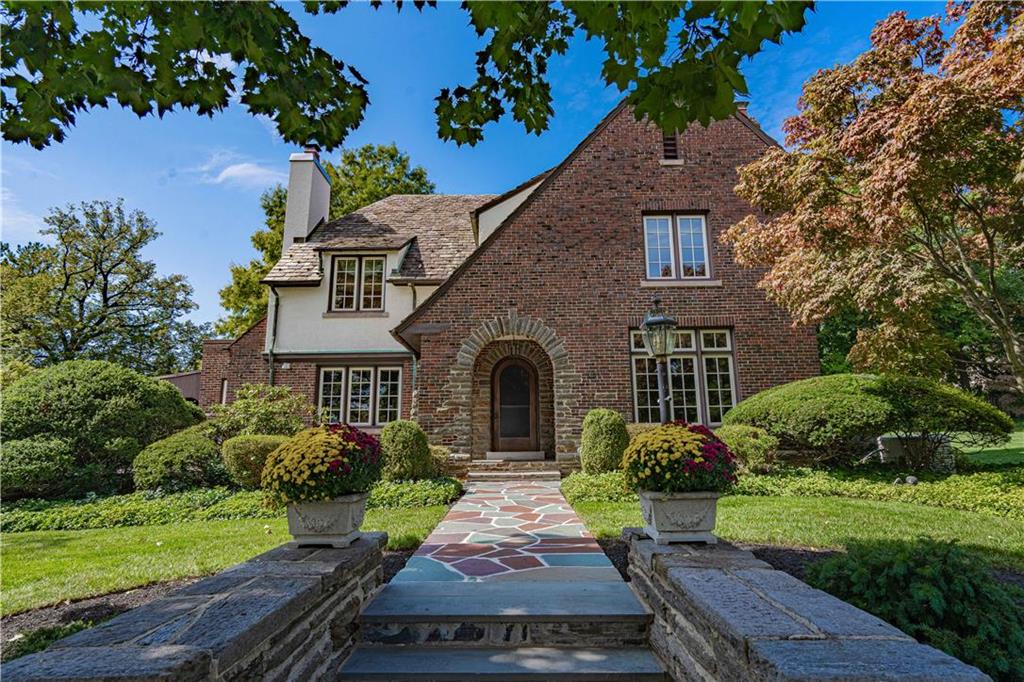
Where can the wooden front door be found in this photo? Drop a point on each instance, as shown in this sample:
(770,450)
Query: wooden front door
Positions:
(514,406)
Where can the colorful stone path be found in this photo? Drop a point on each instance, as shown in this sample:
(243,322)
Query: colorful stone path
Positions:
(515,530)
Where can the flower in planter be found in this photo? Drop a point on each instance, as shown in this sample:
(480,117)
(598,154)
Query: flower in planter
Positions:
(323,463)
(679,457)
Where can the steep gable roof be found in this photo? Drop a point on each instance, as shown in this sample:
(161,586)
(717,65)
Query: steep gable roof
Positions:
(437,228)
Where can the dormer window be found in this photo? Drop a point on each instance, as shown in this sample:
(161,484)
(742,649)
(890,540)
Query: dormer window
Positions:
(670,146)
(357,283)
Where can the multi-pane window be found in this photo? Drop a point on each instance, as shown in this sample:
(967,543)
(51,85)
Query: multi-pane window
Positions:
(360,395)
(332,394)
(658,245)
(701,381)
(373,284)
(358,283)
(679,252)
(389,391)
(364,396)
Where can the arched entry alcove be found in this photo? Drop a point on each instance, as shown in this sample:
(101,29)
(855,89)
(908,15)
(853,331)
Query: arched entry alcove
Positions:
(513,399)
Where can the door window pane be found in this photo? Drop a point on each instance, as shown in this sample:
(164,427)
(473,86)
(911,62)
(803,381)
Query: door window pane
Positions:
(373,284)
(332,387)
(658,244)
(360,391)
(514,410)
(388,394)
(345,283)
(692,256)
(683,378)
(718,386)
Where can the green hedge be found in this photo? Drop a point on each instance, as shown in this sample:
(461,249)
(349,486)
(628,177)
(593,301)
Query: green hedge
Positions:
(206,504)
(245,456)
(937,593)
(603,441)
(179,462)
(406,452)
(34,467)
(755,448)
(995,492)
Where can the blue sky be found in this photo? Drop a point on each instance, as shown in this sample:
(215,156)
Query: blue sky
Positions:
(200,179)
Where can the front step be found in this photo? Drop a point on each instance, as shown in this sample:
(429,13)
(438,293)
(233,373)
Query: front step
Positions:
(496,476)
(552,664)
(487,614)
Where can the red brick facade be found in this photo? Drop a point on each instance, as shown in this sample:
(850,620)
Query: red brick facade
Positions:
(567,270)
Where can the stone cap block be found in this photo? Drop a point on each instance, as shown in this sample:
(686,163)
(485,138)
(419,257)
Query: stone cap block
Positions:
(123,664)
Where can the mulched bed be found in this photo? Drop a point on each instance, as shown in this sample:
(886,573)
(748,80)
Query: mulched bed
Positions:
(101,608)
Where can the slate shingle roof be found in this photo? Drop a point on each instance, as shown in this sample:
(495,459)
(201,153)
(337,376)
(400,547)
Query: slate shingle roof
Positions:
(438,225)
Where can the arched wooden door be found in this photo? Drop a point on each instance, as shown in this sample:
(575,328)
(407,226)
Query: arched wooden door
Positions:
(514,406)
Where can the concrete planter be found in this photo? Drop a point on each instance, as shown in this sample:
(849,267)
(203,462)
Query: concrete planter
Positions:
(679,517)
(334,522)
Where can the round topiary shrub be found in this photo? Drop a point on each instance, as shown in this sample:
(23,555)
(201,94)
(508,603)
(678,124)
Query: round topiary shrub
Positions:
(829,417)
(245,457)
(104,412)
(937,593)
(184,460)
(755,448)
(406,452)
(35,467)
(603,441)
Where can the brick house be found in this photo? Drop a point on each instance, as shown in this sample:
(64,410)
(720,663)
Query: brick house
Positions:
(497,322)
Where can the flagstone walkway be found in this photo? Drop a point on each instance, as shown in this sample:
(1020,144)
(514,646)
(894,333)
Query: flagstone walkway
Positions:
(515,530)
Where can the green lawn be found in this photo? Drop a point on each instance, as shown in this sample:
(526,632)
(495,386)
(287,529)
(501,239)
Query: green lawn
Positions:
(831,522)
(1011,452)
(46,567)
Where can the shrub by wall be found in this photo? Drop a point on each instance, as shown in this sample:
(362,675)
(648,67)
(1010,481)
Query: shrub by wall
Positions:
(104,412)
(406,452)
(755,448)
(35,467)
(245,456)
(935,592)
(834,417)
(260,409)
(603,441)
(607,487)
(184,460)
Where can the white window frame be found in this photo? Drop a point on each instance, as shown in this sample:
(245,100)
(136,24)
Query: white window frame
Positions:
(671,248)
(704,246)
(348,395)
(728,340)
(376,401)
(334,285)
(636,341)
(707,391)
(362,280)
(344,393)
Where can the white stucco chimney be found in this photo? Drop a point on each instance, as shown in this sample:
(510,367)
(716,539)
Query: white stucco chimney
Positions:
(309,195)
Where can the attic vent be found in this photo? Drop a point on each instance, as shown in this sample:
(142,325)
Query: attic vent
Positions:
(670,145)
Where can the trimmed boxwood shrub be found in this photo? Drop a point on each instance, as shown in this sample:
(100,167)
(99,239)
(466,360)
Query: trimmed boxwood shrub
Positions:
(935,592)
(184,460)
(603,441)
(755,448)
(406,452)
(245,457)
(104,412)
(35,467)
(833,417)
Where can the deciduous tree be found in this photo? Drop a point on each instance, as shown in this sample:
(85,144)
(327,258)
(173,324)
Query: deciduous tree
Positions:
(903,186)
(364,175)
(679,62)
(91,295)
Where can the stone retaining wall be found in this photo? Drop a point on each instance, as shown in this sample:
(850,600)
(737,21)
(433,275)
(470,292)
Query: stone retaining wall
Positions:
(722,614)
(288,614)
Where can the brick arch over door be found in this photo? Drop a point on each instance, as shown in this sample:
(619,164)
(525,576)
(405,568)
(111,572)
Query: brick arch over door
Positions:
(483,370)
(458,407)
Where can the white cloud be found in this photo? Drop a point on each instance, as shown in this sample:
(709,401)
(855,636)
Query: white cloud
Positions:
(16,224)
(228,167)
(249,175)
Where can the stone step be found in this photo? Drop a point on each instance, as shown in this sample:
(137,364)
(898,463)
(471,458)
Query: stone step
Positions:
(496,476)
(590,614)
(515,456)
(550,664)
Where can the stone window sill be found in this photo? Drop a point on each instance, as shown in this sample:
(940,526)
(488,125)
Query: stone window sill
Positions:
(672,162)
(679,283)
(356,313)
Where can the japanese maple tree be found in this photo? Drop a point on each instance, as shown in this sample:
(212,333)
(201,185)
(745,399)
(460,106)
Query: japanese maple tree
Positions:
(902,186)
